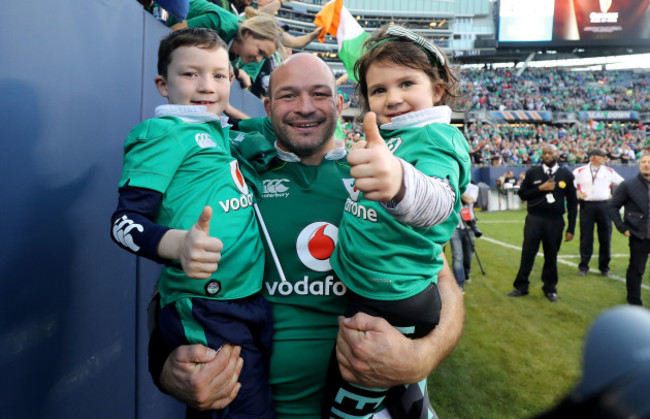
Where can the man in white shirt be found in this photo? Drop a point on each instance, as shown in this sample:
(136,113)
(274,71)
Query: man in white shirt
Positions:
(594,183)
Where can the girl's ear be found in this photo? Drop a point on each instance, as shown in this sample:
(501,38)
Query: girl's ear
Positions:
(161,85)
(438,92)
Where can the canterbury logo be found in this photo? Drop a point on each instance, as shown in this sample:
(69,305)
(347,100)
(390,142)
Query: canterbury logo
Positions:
(272,186)
(204,140)
(121,232)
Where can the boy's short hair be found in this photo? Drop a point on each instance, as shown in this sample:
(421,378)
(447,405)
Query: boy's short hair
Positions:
(189,37)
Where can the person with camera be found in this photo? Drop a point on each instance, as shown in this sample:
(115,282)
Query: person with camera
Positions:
(550,192)
(462,239)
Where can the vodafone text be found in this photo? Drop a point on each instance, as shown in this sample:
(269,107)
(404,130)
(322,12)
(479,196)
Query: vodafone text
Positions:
(360,211)
(234,204)
(307,287)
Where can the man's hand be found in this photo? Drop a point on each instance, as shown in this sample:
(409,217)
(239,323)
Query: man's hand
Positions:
(378,173)
(202,378)
(547,186)
(627,233)
(568,237)
(201,253)
(373,353)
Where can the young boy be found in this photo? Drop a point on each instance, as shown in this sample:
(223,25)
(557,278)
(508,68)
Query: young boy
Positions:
(177,166)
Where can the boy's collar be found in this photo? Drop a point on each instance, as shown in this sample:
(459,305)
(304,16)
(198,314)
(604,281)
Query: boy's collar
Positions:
(337,153)
(190,114)
(421,118)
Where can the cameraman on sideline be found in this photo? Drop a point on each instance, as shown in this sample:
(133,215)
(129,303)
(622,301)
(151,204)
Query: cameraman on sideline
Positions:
(462,239)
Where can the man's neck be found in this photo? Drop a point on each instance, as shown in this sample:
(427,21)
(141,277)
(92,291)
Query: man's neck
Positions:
(595,165)
(315,158)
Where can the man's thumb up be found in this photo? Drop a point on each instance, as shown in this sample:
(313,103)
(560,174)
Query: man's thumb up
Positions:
(373,139)
(204,220)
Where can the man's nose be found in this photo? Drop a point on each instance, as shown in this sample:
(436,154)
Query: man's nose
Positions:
(305,104)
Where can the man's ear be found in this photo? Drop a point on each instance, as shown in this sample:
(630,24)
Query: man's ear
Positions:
(267,106)
(339,104)
(161,85)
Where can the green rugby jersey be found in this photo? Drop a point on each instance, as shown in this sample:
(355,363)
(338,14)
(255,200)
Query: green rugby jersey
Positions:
(191,165)
(302,207)
(380,258)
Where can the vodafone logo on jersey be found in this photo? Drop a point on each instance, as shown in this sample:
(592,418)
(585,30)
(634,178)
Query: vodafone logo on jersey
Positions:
(238,177)
(315,245)
(351,188)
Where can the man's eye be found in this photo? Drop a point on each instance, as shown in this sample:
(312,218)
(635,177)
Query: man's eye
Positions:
(189,74)
(407,83)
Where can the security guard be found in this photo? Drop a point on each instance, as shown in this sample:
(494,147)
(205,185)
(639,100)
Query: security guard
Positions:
(594,184)
(546,188)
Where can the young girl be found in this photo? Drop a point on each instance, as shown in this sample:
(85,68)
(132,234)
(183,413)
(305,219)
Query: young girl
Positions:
(403,206)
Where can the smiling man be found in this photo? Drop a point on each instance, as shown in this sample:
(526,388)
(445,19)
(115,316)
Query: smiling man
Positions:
(305,189)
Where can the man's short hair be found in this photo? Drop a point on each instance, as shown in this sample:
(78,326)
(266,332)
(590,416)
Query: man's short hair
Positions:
(596,152)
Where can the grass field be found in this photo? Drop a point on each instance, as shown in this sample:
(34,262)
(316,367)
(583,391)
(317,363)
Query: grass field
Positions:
(519,356)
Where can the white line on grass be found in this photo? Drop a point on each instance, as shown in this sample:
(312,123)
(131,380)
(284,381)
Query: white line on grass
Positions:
(565,262)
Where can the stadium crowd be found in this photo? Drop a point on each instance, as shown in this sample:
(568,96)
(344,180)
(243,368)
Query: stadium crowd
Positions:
(521,144)
(553,89)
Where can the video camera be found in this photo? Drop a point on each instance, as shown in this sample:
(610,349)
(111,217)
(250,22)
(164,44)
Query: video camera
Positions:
(467,215)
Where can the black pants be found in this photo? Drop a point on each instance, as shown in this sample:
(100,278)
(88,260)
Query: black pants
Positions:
(595,213)
(639,250)
(548,231)
(415,317)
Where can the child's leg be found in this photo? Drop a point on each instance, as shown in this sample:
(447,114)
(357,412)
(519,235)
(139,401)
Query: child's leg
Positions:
(415,317)
(245,322)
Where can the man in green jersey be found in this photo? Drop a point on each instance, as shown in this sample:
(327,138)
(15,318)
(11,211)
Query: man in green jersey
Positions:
(304,193)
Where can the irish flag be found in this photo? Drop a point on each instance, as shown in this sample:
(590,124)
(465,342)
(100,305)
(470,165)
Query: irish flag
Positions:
(336,20)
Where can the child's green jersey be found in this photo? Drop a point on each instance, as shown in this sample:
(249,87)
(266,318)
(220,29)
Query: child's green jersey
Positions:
(380,258)
(181,157)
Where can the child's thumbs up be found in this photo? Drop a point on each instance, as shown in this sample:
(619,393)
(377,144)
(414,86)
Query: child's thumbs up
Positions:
(373,139)
(204,220)
(377,171)
(201,253)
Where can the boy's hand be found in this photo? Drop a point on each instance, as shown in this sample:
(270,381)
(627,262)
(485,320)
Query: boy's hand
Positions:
(201,253)
(378,173)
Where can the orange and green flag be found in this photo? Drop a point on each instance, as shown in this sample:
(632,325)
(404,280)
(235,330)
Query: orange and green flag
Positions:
(337,21)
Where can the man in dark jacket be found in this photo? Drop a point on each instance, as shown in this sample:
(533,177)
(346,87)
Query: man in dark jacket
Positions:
(633,194)
(546,188)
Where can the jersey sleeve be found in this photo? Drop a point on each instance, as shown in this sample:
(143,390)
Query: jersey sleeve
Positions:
(152,154)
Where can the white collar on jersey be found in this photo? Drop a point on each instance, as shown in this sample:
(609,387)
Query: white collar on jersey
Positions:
(337,153)
(421,118)
(190,114)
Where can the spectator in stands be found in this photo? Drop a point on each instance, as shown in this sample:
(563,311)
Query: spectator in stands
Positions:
(409,180)
(547,188)
(303,93)
(179,165)
(251,41)
(633,195)
(594,184)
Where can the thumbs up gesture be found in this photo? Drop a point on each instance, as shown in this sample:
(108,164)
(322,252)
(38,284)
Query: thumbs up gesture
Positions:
(378,173)
(201,253)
